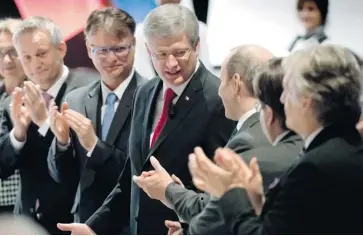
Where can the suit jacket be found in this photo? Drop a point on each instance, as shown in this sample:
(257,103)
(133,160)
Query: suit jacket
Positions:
(199,120)
(320,194)
(97,174)
(54,200)
(188,203)
(273,161)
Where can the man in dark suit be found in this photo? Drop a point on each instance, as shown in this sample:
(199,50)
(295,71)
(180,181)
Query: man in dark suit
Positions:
(272,160)
(311,197)
(97,151)
(38,42)
(172,114)
(240,105)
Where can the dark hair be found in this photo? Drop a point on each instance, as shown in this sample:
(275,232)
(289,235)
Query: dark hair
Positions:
(114,20)
(323,6)
(268,87)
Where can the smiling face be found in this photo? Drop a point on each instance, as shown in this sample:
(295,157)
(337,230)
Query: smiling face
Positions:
(113,57)
(41,59)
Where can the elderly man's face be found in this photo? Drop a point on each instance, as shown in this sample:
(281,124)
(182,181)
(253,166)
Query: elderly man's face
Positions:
(42,60)
(174,58)
(10,65)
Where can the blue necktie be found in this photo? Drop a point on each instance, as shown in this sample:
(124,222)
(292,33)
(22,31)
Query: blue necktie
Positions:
(110,112)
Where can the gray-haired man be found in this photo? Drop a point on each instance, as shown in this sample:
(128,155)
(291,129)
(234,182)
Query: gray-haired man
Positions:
(41,49)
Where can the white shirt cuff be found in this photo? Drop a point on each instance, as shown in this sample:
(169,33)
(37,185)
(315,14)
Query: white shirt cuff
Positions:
(17,145)
(89,154)
(64,148)
(43,130)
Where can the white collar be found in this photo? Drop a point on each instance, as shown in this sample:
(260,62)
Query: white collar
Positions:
(311,137)
(245,116)
(178,90)
(54,89)
(119,91)
(279,138)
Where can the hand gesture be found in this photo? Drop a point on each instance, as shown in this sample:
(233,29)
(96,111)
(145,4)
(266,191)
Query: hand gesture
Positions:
(35,103)
(83,128)
(58,124)
(19,115)
(76,229)
(174,227)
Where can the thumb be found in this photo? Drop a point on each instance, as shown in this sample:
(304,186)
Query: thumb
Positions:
(65,227)
(64,107)
(254,167)
(156,164)
(176,180)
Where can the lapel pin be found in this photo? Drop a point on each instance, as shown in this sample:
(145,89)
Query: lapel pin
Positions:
(187,98)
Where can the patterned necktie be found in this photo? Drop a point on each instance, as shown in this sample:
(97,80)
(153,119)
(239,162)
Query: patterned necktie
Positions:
(168,98)
(110,112)
(47,98)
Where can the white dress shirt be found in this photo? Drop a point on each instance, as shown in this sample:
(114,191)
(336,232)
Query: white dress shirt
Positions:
(245,116)
(178,90)
(53,91)
(119,92)
(311,137)
(279,138)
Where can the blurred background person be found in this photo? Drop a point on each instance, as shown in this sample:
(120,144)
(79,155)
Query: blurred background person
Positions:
(19,225)
(13,76)
(143,63)
(313,16)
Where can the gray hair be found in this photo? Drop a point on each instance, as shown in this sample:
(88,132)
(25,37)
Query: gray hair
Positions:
(244,61)
(34,23)
(331,76)
(172,20)
(9,24)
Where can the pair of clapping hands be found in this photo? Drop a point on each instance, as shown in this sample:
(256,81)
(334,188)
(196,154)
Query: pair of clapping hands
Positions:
(28,105)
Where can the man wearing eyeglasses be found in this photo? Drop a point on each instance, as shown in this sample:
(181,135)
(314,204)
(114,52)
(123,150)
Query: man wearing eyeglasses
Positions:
(13,76)
(173,113)
(93,128)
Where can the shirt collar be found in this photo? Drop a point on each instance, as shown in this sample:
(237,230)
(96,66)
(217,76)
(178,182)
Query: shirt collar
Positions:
(311,137)
(119,91)
(245,116)
(279,138)
(178,90)
(54,89)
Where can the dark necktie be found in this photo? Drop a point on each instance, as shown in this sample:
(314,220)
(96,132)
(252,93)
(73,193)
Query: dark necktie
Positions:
(110,112)
(168,98)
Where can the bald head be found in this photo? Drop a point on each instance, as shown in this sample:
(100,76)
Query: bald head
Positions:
(243,61)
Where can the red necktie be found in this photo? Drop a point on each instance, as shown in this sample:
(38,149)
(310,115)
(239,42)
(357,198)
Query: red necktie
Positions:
(168,98)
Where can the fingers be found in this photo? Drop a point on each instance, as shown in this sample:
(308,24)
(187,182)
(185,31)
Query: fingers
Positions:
(66,227)
(148,173)
(77,122)
(169,223)
(254,167)
(202,160)
(156,164)
(177,180)
(64,107)
(31,91)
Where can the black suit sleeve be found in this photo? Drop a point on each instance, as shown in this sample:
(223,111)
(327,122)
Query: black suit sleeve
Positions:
(297,198)
(220,131)
(106,154)
(114,214)
(186,203)
(9,158)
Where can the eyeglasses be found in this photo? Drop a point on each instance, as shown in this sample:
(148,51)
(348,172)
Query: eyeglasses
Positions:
(11,52)
(179,54)
(119,51)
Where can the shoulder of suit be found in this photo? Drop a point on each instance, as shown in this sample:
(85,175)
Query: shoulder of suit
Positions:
(82,77)
(81,91)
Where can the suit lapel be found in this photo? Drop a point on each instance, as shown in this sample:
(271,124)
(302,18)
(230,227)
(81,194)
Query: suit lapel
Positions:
(183,106)
(149,115)
(92,105)
(122,111)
